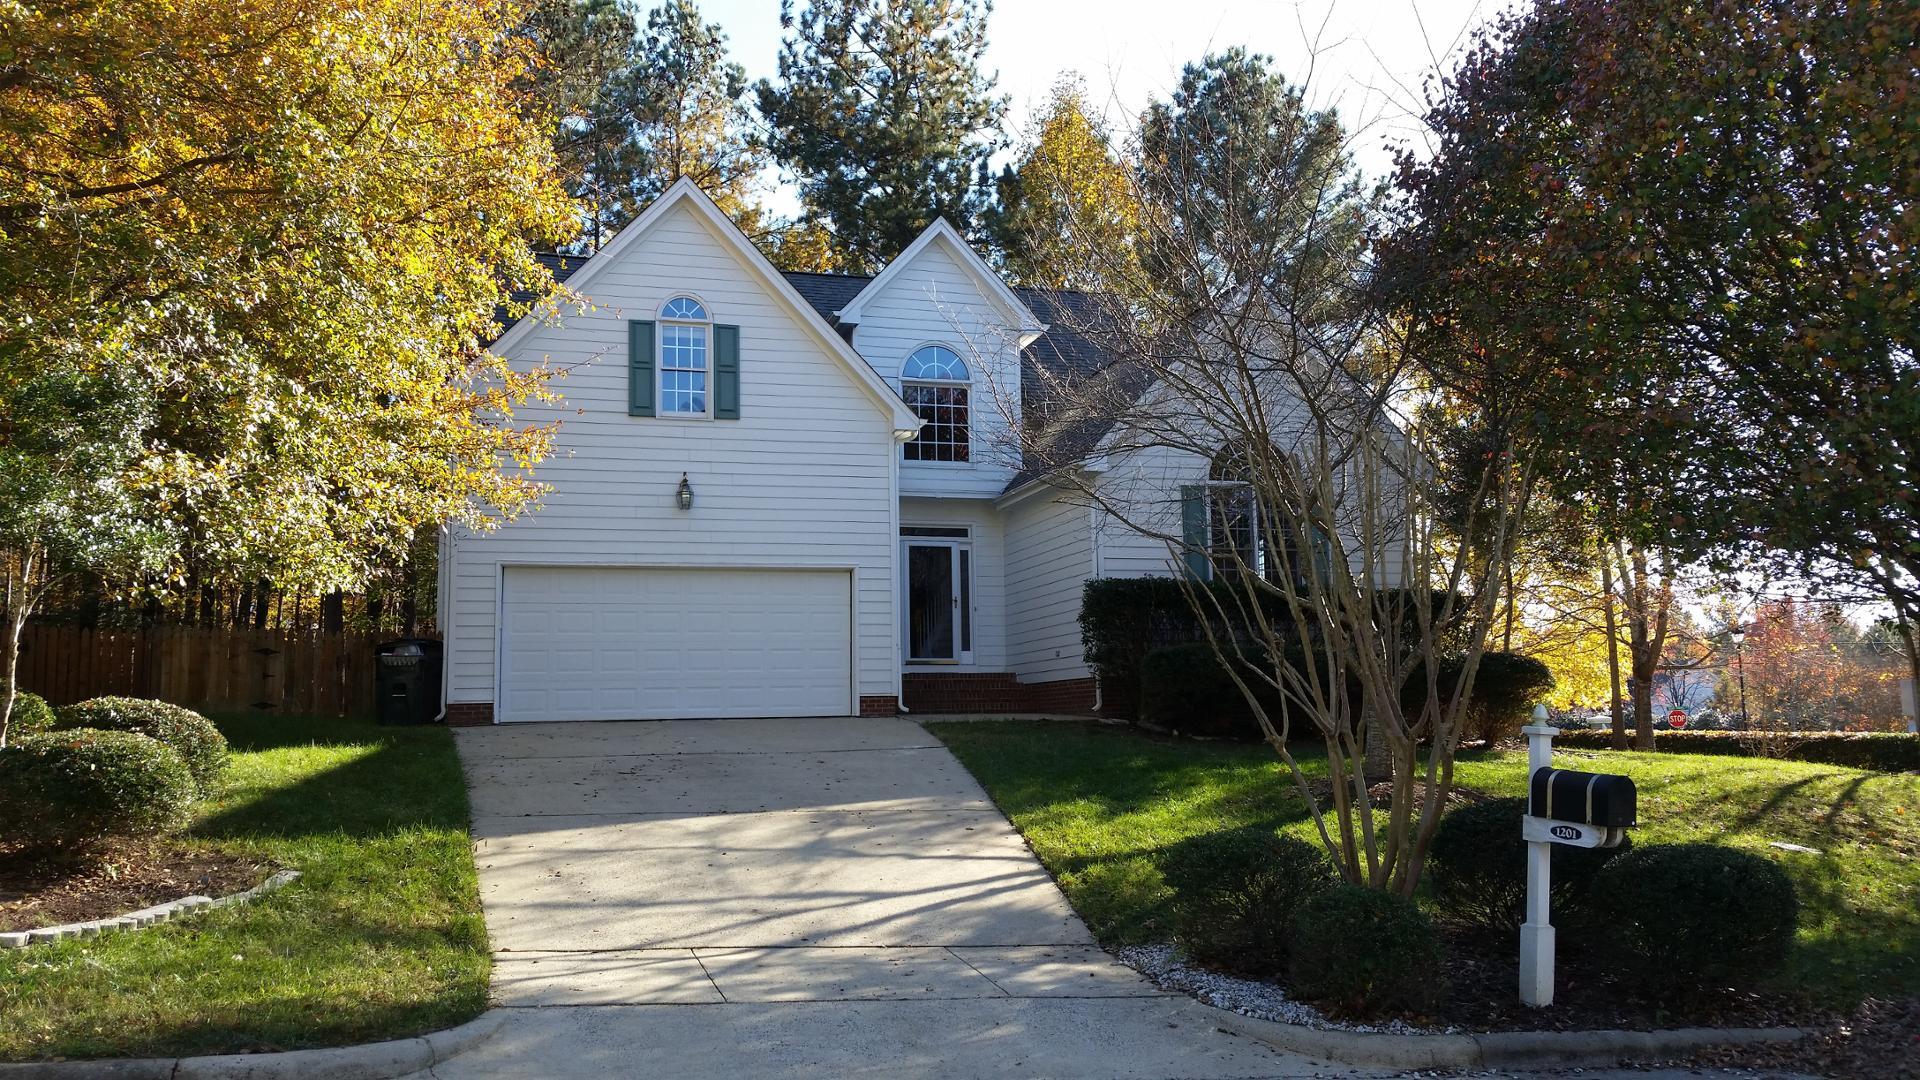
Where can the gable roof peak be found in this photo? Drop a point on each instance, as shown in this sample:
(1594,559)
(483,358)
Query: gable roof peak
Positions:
(941,231)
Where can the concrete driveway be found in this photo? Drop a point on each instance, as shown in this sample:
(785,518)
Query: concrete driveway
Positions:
(769,898)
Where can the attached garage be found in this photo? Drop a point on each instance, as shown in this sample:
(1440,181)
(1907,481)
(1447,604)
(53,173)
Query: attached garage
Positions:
(627,643)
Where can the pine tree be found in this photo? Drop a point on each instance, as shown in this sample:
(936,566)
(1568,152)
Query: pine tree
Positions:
(1069,199)
(1237,144)
(882,112)
(637,109)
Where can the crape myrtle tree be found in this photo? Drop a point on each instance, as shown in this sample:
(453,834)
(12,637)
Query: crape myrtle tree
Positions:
(1692,225)
(882,113)
(1316,528)
(249,249)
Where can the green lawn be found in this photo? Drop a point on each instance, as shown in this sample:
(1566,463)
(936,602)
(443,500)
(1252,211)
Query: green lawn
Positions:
(382,936)
(1097,802)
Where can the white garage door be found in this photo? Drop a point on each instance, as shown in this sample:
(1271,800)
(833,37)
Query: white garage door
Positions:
(593,643)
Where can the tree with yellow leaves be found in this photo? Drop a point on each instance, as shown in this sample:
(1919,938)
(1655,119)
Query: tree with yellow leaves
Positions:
(249,252)
(1068,201)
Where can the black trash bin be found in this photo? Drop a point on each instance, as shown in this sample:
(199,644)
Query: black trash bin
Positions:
(406,681)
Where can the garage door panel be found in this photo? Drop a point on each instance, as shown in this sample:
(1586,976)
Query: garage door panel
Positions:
(603,643)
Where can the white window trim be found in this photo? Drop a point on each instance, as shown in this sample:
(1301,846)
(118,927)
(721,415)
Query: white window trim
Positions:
(662,321)
(964,384)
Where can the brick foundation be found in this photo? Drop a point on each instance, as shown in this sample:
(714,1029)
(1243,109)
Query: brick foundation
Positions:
(469,713)
(991,692)
(880,705)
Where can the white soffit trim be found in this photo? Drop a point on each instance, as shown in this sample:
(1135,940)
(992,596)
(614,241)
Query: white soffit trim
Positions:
(742,249)
(1028,324)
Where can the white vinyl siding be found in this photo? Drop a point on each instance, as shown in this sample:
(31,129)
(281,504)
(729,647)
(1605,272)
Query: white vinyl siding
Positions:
(1049,559)
(805,477)
(933,301)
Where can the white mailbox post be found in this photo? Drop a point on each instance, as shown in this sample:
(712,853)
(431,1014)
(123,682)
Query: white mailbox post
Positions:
(1563,807)
(1536,934)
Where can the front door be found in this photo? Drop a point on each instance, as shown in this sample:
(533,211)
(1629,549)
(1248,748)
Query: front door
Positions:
(939,590)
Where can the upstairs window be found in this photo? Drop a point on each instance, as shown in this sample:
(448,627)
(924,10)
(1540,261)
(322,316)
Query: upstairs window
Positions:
(686,335)
(935,383)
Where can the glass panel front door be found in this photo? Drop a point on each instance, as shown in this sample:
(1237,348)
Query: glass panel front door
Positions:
(932,603)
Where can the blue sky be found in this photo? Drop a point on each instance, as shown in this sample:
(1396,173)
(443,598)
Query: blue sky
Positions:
(1370,61)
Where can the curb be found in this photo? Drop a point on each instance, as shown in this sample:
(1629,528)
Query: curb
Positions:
(371,1061)
(1498,1049)
(145,917)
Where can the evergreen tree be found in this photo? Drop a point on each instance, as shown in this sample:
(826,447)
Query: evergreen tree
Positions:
(883,114)
(1069,199)
(638,109)
(1237,144)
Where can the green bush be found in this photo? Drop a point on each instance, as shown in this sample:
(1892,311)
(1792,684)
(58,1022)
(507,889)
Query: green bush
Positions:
(1361,952)
(191,735)
(1687,916)
(1186,688)
(31,715)
(1884,751)
(77,788)
(1477,867)
(1505,688)
(1236,892)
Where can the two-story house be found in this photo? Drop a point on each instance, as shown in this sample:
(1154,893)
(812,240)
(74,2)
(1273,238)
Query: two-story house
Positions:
(786,495)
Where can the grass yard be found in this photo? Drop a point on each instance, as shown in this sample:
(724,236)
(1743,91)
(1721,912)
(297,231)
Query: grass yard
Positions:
(1097,802)
(382,937)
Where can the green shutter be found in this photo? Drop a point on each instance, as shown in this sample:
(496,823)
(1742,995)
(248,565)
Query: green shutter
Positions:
(1193,531)
(726,373)
(640,368)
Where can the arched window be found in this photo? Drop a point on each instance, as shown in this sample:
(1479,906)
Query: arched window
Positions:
(686,357)
(935,383)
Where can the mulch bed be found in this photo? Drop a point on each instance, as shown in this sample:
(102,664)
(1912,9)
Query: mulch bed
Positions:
(1878,1041)
(1382,794)
(47,892)
(1483,994)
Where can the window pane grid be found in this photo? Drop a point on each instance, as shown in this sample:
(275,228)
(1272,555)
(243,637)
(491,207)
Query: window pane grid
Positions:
(935,362)
(945,436)
(683,368)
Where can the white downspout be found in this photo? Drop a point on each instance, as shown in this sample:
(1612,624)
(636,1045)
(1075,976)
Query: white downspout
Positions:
(443,577)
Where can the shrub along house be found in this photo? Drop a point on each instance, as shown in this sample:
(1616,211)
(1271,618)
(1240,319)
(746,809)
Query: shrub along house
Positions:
(790,495)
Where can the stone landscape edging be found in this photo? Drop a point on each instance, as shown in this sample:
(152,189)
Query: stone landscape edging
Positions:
(1497,1049)
(369,1061)
(140,920)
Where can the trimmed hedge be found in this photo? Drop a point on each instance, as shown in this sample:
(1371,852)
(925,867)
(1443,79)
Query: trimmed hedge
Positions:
(1187,688)
(1477,867)
(1236,893)
(1362,951)
(191,735)
(78,788)
(1687,916)
(1124,619)
(31,715)
(1885,751)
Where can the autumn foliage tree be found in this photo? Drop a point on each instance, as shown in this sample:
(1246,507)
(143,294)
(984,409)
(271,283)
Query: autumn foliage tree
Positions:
(1688,228)
(248,252)
(1068,193)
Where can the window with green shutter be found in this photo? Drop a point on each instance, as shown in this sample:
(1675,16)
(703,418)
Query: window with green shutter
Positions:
(640,368)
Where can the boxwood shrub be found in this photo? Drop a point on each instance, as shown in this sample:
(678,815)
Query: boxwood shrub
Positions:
(1885,751)
(1362,952)
(31,715)
(74,789)
(1477,868)
(1236,892)
(191,735)
(1187,688)
(1689,916)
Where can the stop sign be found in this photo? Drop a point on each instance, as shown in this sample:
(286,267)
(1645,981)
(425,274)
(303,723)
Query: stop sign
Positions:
(1677,719)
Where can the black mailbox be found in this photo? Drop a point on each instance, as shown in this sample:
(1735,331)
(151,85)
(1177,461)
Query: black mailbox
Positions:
(1599,799)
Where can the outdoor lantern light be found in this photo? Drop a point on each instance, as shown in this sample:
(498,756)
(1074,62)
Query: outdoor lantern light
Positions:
(685,494)
(1738,634)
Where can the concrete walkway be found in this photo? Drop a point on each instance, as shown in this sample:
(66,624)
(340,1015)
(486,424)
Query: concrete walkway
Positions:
(805,898)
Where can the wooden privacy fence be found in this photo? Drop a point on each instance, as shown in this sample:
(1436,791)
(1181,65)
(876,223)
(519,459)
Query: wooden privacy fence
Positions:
(209,669)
